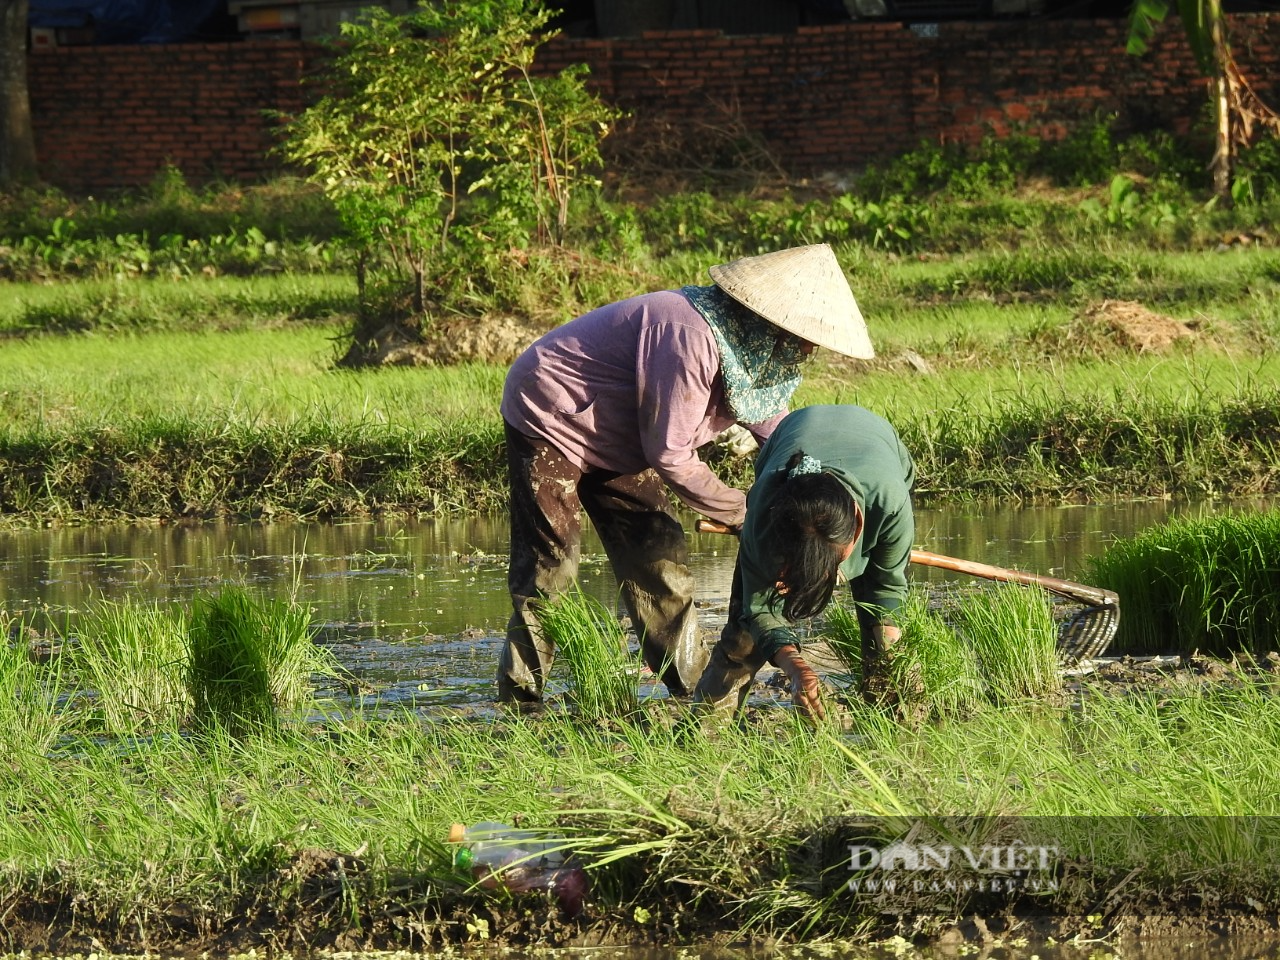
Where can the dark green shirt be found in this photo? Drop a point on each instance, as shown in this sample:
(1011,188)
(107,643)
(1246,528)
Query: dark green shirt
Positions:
(862,450)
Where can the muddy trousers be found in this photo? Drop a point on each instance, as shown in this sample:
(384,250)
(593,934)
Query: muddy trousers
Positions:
(645,545)
(734,662)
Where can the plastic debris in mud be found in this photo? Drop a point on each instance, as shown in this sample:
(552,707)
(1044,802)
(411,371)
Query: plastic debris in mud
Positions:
(519,861)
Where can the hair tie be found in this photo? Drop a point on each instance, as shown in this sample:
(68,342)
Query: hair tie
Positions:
(807,464)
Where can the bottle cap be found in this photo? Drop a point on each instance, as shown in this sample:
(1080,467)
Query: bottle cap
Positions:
(457,833)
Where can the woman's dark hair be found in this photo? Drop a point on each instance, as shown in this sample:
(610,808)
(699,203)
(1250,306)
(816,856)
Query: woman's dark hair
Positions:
(812,517)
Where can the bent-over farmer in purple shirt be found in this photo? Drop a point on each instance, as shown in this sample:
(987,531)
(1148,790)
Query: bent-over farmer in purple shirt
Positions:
(607,412)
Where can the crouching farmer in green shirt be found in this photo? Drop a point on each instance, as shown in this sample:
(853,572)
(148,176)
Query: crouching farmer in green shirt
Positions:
(832,496)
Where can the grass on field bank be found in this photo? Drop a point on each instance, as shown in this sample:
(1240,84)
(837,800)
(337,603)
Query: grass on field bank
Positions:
(1035,343)
(340,826)
(270,453)
(930,304)
(154,305)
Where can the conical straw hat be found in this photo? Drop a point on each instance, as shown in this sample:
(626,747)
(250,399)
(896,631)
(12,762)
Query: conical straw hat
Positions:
(803,291)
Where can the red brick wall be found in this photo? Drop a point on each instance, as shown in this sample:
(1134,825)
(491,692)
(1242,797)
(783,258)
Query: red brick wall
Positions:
(109,116)
(823,98)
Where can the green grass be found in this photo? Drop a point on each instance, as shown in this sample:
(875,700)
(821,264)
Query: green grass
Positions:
(235,663)
(262,377)
(154,305)
(166,385)
(702,832)
(739,831)
(30,714)
(590,640)
(947,667)
(1207,585)
(210,396)
(255,423)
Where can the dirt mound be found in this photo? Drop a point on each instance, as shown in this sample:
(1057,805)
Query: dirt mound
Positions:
(1133,327)
(1109,327)
(494,339)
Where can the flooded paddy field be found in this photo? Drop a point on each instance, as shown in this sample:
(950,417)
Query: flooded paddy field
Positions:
(417,611)
(415,615)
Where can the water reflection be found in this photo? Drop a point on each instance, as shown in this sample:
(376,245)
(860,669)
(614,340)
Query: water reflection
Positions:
(419,608)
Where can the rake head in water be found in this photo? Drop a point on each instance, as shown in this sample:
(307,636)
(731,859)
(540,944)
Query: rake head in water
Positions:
(1087,633)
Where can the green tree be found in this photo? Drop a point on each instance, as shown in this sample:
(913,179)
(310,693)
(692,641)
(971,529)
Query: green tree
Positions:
(436,140)
(1238,112)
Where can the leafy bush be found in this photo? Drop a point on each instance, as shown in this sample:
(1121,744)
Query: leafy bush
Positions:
(1258,172)
(283,210)
(437,145)
(1086,156)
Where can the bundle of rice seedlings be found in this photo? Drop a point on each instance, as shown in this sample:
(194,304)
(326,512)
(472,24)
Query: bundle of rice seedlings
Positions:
(132,657)
(1204,584)
(593,644)
(930,671)
(844,637)
(249,660)
(1013,633)
(31,719)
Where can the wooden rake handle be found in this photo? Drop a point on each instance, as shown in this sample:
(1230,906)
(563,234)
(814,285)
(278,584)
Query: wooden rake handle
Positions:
(713,526)
(1066,588)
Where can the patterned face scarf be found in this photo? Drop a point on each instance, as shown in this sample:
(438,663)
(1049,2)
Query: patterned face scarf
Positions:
(760,363)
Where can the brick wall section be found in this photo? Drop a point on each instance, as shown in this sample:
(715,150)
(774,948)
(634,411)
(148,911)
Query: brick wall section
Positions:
(109,116)
(837,96)
(830,97)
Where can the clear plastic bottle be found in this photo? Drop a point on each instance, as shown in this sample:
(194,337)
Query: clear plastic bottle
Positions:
(520,861)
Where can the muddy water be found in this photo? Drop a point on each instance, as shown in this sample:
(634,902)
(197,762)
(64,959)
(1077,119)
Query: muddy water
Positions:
(417,610)
(1182,948)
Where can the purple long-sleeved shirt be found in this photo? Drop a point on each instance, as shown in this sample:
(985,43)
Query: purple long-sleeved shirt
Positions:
(632,385)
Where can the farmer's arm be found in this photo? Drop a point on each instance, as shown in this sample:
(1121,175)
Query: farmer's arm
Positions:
(773,635)
(882,584)
(676,367)
(763,430)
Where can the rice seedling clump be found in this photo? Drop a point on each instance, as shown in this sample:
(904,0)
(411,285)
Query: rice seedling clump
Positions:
(1206,585)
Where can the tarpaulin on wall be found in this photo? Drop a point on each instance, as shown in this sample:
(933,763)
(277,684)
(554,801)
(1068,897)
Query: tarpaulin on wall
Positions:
(125,21)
